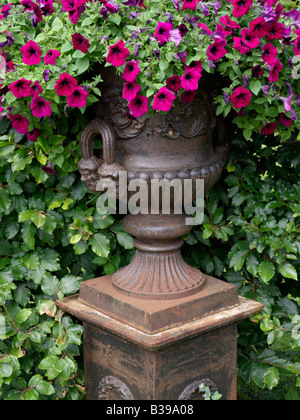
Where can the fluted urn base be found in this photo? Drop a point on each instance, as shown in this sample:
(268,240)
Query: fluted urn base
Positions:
(158,270)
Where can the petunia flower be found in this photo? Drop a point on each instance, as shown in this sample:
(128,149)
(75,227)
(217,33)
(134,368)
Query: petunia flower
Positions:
(241,97)
(228,23)
(35,89)
(190,4)
(163,100)
(216,50)
(130,90)
(239,45)
(190,79)
(40,108)
(258,27)
(78,98)
(241,7)
(188,96)
(20,88)
(131,71)
(269,53)
(19,123)
(80,43)
(48,169)
(286,102)
(65,85)
(284,120)
(297,46)
(33,135)
(173,83)
(275,31)
(176,37)
(257,71)
(275,70)
(139,105)
(249,39)
(117,54)
(162,32)
(51,56)
(31,53)
(269,128)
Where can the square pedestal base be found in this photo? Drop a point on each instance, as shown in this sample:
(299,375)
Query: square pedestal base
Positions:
(125,363)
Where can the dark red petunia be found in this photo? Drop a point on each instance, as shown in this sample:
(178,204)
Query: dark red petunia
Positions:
(40,108)
(257,71)
(65,85)
(19,123)
(33,135)
(269,128)
(80,43)
(48,169)
(188,96)
(20,88)
(173,83)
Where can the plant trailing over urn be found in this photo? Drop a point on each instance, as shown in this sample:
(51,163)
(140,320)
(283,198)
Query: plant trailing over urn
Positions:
(161,51)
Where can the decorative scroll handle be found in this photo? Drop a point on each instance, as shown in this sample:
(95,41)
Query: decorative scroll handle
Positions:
(91,167)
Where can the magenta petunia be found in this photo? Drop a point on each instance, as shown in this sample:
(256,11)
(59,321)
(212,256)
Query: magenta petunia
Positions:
(40,108)
(258,27)
(20,88)
(19,123)
(80,43)
(51,56)
(228,23)
(275,31)
(65,85)
(241,7)
(190,4)
(283,119)
(131,71)
(297,46)
(130,90)
(78,98)
(163,100)
(35,89)
(241,97)
(117,54)
(275,70)
(139,105)
(48,169)
(216,50)
(31,53)
(173,83)
(33,135)
(269,53)
(239,45)
(162,32)
(190,79)
(249,39)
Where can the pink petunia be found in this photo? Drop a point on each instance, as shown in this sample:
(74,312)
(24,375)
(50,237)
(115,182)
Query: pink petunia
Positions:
(35,89)
(258,27)
(283,119)
(249,39)
(131,71)
(269,53)
(65,85)
(241,97)
(139,105)
(19,123)
(31,53)
(239,45)
(163,100)
(190,4)
(20,88)
(80,43)
(40,108)
(78,98)
(241,7)
(275,70)
(190,79)
(51,56)
(117,54)
(33,135)
(162,32)
(228,23)
(130,90)
(216,51)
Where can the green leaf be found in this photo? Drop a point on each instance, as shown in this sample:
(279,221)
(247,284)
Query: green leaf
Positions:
(271,377)
(5,200)
(28,235)
(288,271)
(57,25)
(82,64)
(45,388)
(266,270)
(125,240)
(70,285)
(100,245)
(255,86)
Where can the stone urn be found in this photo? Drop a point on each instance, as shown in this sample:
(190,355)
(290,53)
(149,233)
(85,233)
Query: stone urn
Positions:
(188,142)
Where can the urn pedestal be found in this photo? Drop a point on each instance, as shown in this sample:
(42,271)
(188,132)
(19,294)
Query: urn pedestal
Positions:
(158,328)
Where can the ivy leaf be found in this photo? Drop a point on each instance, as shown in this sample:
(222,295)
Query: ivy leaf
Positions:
(288,271)
(266,270)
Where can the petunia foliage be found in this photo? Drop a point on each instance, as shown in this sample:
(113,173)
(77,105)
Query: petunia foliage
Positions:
(51,236)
